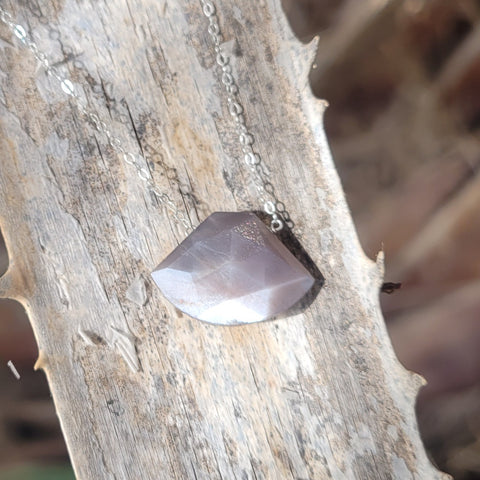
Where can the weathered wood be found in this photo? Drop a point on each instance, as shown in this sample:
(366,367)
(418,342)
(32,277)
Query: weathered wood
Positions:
(318,394)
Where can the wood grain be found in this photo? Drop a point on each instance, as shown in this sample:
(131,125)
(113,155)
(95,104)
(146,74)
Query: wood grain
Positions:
(318,394)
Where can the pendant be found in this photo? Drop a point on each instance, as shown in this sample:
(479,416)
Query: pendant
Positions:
(231,270)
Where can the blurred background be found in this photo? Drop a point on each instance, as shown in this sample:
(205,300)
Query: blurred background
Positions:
(403,81)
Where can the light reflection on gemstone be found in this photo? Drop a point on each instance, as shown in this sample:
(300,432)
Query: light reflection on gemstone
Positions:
(231,269)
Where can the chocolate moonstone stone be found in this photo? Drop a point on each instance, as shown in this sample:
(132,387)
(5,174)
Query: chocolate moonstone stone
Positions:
(231,269)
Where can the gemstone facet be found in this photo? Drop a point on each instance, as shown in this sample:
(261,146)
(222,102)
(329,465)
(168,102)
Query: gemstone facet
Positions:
(231,269)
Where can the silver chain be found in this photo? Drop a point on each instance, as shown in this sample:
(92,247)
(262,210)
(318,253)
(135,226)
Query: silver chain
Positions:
(263,187)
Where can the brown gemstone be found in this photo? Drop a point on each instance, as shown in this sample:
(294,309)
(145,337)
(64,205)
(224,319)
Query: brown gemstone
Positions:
(231,269)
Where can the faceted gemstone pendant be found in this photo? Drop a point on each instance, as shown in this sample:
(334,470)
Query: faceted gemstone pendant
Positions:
(231,269)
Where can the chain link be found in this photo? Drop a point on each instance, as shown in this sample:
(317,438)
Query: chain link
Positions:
(137,161)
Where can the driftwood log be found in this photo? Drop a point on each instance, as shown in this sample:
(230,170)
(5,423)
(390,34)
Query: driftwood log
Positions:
(142,391)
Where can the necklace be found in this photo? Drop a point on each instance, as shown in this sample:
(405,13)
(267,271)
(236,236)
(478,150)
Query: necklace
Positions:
(231,268)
